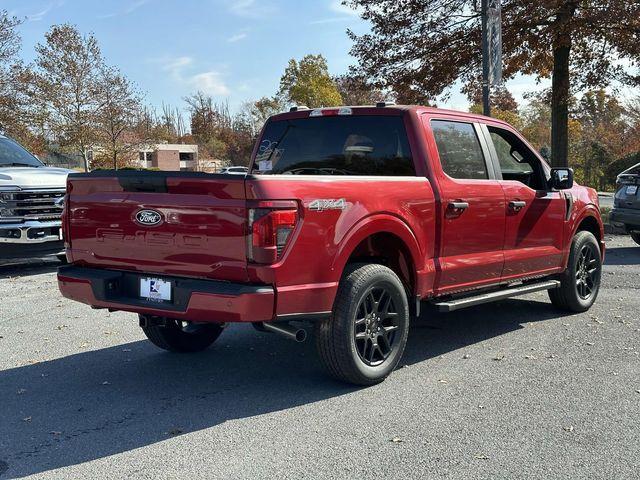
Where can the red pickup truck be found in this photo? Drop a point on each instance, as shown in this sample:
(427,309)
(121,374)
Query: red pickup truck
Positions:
(348,219)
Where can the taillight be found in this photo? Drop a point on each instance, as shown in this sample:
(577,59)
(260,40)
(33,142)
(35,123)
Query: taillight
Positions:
(64,220)
(269,231)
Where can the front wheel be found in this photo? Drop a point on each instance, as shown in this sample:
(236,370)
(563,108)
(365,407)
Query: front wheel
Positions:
(364,339)
(184,337)
(580,283)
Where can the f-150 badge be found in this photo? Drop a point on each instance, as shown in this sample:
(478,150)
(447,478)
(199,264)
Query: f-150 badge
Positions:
(322,204)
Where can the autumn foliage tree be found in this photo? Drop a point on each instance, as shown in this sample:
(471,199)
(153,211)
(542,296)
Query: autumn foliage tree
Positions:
(425,46)
(308,82)
(67,69)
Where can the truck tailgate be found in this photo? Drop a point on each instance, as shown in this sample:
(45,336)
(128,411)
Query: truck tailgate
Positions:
(187,223)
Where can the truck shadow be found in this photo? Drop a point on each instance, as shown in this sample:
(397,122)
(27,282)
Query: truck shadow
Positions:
(622,256)
(99,403)
(28,269)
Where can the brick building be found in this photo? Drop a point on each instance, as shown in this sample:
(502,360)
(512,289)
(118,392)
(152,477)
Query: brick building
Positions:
(170,156)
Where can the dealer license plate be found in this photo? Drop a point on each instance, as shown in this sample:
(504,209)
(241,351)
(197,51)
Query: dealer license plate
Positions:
(155,289)
(632,189)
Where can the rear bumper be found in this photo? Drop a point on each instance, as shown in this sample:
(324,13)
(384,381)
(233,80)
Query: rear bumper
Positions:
(627,218)
(193,299)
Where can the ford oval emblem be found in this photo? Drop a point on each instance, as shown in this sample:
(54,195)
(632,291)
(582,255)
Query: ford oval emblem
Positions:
(148,218)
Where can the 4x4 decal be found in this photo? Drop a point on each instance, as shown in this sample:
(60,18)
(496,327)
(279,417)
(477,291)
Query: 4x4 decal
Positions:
(322,204)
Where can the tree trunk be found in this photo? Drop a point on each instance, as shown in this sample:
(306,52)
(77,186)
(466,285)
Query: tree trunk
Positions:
(560,90)
(561,83)
(86,159)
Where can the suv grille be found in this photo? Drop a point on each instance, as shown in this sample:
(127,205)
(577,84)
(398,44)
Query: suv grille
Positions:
(30,205)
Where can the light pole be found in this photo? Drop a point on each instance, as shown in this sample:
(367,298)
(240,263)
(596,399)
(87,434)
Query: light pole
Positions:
(486,104)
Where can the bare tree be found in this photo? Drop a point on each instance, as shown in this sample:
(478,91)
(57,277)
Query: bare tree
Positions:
(120,106)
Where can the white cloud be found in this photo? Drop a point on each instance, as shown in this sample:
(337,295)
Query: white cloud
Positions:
(237,37)
(324,21)
(132,7)
(36,17)
(175,66)
(249,8)
(209,82)
(181,71)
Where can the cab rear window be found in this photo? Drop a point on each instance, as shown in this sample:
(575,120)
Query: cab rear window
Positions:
(336,145)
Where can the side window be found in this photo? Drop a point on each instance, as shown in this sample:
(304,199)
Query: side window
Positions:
(459,149)
(517,161)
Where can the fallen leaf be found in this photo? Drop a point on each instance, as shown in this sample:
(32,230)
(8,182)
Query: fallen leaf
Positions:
(21,391)
(591,344)
(442,381)
(105,383)
(55,433)
(396,440)
(530,357)
(466,356)
(568,429)
(26,419)
(480,456)
(498,358)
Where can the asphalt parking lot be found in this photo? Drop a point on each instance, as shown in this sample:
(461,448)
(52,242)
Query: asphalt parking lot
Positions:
(507,390)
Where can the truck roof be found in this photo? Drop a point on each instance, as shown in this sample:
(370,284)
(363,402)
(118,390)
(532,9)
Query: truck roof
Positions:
(303,112)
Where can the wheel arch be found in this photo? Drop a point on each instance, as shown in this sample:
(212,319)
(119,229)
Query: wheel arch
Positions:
(590,221)
(382,239)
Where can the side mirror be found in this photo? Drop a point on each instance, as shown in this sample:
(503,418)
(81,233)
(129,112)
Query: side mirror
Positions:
(561,178)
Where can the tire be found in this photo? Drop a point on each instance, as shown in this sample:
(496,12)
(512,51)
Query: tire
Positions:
(62,258)
(580,282)
(636,237)
(364,339)
(183,337)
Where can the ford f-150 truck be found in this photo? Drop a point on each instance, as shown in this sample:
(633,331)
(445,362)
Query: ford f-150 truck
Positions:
(31,198)
(348,220)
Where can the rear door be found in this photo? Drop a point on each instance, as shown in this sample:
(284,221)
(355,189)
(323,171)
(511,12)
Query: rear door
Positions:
(627,189)
(535,215)
(472,217)
(190,224)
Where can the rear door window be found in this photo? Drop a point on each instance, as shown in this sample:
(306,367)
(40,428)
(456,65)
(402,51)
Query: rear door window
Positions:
(459,150)
(336,145)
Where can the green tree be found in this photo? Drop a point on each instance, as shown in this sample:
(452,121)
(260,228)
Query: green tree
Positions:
(427,45)
(308,83)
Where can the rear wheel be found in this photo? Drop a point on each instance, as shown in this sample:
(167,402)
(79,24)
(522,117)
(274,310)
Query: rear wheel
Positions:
(364,339)
(184,337)
(636,237)
(580,283)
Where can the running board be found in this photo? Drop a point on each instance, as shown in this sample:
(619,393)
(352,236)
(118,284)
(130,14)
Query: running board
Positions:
(452,305)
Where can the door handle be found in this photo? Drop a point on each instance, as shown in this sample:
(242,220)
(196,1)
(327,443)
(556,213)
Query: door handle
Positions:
(458,206)
(517,205)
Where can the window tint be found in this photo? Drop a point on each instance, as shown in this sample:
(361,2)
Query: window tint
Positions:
(459,149)
(337,145)
(510,161)
(12,154)
(517,161)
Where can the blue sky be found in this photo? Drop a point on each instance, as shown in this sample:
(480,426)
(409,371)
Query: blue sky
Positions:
(235,50)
